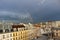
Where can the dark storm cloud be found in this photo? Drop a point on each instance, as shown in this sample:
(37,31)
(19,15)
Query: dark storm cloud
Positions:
(40,10)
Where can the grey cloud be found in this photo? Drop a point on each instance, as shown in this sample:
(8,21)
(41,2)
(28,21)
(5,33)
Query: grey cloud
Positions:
(37,8)
(21,15)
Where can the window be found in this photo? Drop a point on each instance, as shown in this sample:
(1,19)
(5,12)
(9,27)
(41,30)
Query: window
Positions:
(3,36)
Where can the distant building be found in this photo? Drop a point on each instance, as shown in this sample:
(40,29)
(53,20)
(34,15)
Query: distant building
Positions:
(5,26)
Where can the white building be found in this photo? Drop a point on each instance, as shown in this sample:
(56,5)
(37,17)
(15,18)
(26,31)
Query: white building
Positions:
(5,26)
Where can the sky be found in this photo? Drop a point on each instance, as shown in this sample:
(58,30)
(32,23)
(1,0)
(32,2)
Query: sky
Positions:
(32,10)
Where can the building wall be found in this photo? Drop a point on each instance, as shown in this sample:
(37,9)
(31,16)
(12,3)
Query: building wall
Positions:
(57,23)
(20,35)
